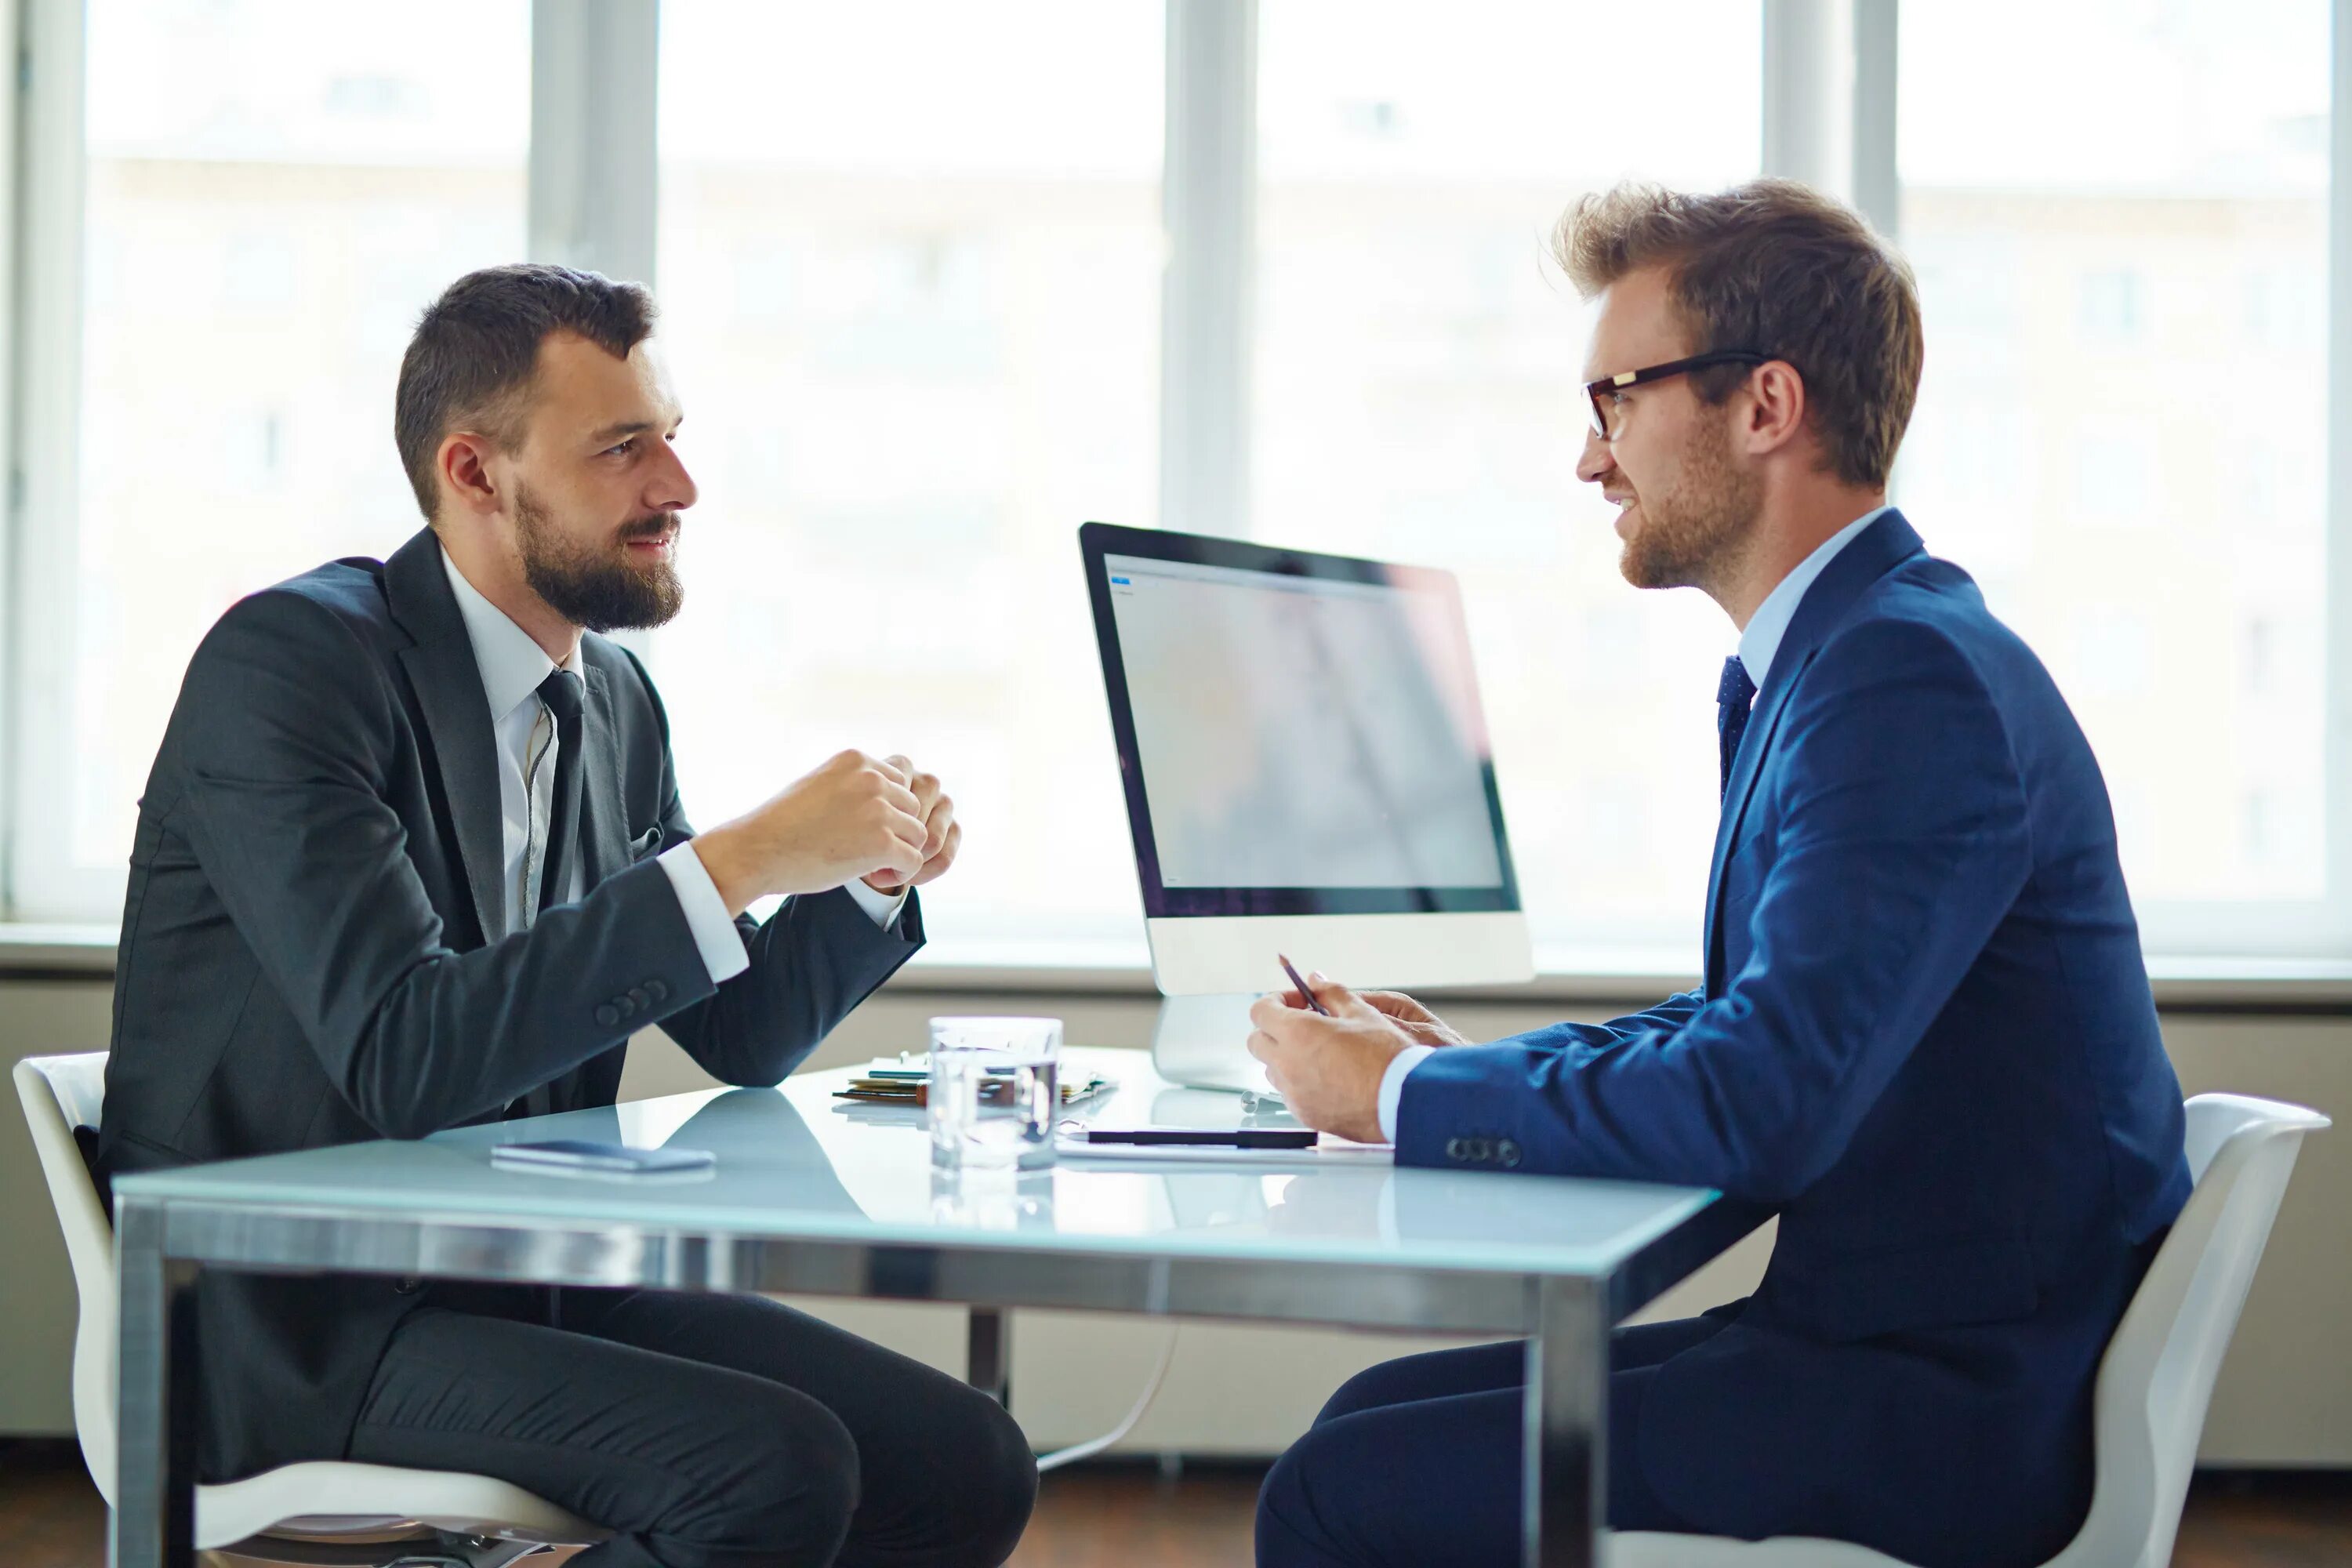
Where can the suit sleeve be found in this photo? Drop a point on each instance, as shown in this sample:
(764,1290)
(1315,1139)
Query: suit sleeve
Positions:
(1671,1013)
(290,739)
(1903,843)
(811,964)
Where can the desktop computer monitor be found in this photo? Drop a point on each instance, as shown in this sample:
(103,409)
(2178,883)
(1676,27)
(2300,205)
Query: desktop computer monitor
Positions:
(1305,765)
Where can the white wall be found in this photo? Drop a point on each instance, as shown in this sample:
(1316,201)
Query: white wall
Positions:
(2284,1397)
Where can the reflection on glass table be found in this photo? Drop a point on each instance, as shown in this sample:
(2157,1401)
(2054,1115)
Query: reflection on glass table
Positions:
(795,1156)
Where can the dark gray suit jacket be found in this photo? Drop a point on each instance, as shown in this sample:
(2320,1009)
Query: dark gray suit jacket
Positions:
(304,956)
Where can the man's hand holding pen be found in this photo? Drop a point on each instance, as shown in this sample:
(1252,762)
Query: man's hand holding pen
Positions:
(1328,1069)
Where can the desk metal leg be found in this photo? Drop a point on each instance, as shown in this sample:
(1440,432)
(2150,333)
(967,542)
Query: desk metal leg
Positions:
(988,1363)
(1565,1455)
(154,1519)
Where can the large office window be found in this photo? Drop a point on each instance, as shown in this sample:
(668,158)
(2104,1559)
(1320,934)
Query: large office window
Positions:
(2123,428)
(270,191)
(1417,393)
(911,300)
(928,308)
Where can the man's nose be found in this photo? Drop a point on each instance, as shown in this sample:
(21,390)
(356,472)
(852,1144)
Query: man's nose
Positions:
(1595,463)
(673,487)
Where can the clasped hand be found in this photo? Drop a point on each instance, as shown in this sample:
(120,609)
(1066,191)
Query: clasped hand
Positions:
(879,818)
(1328,1069)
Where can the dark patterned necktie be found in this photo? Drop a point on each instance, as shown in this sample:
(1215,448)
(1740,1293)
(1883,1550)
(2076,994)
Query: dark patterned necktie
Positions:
(560,693)
(1733,696)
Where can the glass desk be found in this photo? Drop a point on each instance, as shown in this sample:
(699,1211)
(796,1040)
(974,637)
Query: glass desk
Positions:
(827,1196)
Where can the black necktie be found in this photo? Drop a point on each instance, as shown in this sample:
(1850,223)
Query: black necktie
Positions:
(560,693)
(1733,696)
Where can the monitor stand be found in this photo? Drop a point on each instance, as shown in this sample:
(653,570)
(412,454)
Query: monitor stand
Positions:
(1201,1042)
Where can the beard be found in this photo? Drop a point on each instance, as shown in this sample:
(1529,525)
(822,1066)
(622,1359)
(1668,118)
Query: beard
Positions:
(596,588)
(1694,529)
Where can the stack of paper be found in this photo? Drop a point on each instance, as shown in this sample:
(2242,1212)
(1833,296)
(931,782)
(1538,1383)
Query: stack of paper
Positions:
(905,1081)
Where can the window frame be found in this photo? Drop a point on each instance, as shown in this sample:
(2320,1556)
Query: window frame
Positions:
(1828,91)
(44,392)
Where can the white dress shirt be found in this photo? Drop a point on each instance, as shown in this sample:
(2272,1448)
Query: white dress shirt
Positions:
(512,666)
(1757,644)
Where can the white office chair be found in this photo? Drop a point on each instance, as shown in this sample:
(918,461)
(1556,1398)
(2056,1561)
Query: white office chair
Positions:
(2158,1374)
(326,1512)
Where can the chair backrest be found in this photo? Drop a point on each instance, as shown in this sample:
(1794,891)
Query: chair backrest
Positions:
(60,1094)
(2157,1376)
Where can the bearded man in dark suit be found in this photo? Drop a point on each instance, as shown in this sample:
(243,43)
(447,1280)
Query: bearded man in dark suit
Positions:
(412,857)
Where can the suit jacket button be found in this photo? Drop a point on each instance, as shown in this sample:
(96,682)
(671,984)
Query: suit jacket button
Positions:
(1508,1152)
(640,998)
(656,990)
(608,1016)
(407,1285)
(1453,1149)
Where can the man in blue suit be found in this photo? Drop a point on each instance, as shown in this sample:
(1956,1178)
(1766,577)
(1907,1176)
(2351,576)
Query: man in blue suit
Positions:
(1924,1037)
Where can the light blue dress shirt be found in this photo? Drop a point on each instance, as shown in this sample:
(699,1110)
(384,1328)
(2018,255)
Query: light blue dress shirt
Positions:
(1771,622)
(1757,644)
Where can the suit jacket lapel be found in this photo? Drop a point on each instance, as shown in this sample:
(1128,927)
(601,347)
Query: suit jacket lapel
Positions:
(1875,551)
(604,836)
(448,686)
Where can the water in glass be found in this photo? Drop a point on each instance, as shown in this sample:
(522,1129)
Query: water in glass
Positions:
(995,1087)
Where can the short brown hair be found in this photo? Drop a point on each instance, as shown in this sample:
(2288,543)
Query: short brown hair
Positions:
(1777,268)
(476,352)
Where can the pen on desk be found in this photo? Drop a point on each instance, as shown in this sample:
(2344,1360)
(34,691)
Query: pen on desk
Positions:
(1303,989)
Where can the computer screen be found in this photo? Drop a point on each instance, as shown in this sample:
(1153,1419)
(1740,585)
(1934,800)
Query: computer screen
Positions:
(1302,733)
(1298,732)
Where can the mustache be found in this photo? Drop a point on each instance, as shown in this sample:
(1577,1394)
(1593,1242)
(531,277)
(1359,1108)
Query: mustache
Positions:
(652,527)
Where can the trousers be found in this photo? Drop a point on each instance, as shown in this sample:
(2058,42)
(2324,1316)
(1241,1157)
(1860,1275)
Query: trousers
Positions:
(1415,1463)
(705,1431)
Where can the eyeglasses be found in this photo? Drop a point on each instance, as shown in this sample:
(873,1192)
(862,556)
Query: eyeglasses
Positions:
(1603,393)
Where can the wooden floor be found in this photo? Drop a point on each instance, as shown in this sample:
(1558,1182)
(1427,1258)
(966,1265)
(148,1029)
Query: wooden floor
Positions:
(1131,1516)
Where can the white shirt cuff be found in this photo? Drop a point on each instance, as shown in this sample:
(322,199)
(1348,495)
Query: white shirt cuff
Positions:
(882,908)
(715,936)
(1401,1066)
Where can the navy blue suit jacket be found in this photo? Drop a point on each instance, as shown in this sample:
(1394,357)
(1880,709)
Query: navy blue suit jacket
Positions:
(1926,1038)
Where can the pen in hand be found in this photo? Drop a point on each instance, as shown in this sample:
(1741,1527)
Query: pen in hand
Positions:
(1302,985)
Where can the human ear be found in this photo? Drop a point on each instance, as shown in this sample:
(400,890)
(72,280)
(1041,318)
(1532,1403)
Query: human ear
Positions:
(1776,406)
(464,463)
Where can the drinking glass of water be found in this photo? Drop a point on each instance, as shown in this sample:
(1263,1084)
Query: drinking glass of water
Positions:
(995,1090)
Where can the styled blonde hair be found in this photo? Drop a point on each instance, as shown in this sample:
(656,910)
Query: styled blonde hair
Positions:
(1774,266)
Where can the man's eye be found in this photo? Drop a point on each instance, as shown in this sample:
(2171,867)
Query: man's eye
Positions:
(621,448)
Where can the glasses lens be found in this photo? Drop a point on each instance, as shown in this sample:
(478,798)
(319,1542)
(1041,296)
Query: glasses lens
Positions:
(1600,413)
